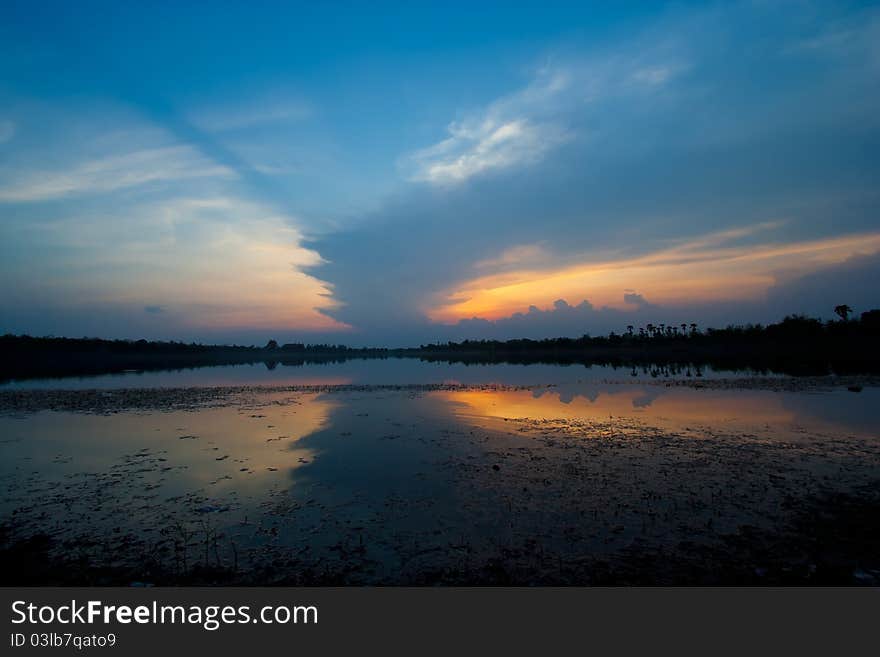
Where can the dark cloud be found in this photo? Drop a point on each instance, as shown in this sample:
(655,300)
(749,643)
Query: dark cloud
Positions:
(718,119)
(854,282)
(732,139)
(562,319)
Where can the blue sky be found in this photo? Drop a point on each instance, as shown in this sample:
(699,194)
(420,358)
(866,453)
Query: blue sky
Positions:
(402,172)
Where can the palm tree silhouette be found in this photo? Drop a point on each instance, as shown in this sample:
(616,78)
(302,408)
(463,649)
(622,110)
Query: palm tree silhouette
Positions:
(843,311)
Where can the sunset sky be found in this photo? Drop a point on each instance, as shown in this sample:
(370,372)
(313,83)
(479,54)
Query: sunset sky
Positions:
(391,174)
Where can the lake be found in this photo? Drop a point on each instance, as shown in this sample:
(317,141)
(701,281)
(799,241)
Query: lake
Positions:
(373,371)
(406,472)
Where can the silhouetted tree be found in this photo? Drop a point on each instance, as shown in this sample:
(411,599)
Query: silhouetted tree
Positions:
(871,321)
(843,311)
(271,344)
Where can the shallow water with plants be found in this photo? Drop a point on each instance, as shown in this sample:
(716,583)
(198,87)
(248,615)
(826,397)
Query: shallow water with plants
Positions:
(469,475)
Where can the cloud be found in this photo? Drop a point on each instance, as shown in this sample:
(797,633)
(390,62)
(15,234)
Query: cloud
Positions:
(110,173)
(814,293)
(853,282)
(559,319)
(855,34)
(637,300)
(647,166)
(260,111)
(697,270)
(192,234)
(490,145)
(654,75)
(222,263)
(521,128)
(702,166)
(515,256)
(514,130)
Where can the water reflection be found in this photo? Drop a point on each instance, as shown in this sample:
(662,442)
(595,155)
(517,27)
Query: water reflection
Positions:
(393,371)
(676,409)
(412,473)
(215,453)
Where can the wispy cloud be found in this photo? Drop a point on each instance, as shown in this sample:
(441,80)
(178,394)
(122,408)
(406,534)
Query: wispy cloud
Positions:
(856,34)
(521,128)
(510,132)
(257,112)
(106,174)
(522,255)
(471,151)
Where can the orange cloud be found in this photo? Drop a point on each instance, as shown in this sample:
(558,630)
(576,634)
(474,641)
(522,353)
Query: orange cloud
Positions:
(708,268)
(210,262)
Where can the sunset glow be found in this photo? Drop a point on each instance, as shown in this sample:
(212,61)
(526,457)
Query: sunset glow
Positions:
(698,271)
(357,187)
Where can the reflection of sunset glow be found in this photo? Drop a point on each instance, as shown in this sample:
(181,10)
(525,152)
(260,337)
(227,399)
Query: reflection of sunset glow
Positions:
(252,440)
(208,448)
(676,407)
(701,270)
(316,380)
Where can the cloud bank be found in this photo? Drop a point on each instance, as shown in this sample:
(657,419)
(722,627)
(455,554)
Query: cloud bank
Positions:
(689,164)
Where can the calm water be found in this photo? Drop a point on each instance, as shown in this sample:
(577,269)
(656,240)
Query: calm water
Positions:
(387,485)
(391,371)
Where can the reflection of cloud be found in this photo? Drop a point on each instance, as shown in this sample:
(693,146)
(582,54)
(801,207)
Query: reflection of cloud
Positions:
(678,408)
(645,400)
(110,173)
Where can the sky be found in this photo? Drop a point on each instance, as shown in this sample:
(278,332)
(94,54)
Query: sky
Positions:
(399,173)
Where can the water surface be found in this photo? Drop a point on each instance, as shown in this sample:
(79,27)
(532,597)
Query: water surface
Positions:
(570,481)
(372,371)
(392,485)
